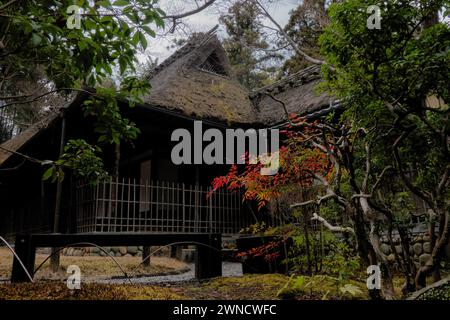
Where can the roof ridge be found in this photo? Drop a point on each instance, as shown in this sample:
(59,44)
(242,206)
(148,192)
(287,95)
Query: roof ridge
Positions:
(309,71)
(194,42)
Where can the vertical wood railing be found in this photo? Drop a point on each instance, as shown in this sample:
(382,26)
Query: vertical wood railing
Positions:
(125,205)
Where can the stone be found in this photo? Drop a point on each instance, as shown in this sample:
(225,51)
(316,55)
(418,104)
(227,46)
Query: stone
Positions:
(418,249)
(424,258)
(132,250)
(102,253)
(399,249)
(140,248)
(385,249)
(427,247)
(128,255)
(139,254)
(123,250)
(426,238)
(391,258)
(95,250)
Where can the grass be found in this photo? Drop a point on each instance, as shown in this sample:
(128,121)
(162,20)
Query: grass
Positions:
(52,290)
(96,267)
(248,287)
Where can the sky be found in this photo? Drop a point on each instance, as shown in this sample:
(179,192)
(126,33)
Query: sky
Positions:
(204,21)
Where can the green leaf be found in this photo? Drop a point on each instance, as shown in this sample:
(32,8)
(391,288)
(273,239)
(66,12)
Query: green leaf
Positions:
(135,39)
(36,39)
(143,40)
(121,3)
(47,174)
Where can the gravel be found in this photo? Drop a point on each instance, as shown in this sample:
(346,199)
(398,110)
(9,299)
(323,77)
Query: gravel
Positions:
(229,269)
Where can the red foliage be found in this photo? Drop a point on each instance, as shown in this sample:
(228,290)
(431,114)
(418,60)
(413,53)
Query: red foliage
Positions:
(299,161)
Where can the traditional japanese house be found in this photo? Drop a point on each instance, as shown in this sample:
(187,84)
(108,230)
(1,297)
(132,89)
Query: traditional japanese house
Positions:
(151,194)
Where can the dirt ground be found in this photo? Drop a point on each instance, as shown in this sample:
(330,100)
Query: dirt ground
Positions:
(96,268)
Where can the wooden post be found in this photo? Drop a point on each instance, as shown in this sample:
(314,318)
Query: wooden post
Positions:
(27,254)
(208,259)
(145,254)
(54,260)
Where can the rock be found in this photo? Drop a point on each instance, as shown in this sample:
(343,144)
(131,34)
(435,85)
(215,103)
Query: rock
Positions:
(418,249)
(102,253)
(399,249)
(424,258)
(128,255)
(396,240)
(95,250)
(427,247)
(426,238)
(139,254)
(385,249)
(140,248)
(123,250)
(132,250)
(391,258)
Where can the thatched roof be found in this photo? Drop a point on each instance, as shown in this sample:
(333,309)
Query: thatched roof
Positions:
(20,140)
(197,81)
(296,92)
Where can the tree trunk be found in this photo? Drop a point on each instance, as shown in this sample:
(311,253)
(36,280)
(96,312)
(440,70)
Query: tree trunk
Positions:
(432,265)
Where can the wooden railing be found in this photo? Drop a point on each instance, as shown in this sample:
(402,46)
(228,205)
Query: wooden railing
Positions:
(125,205)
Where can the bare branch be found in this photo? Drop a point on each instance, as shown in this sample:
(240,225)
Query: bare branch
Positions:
(331,227)
(176,17)
(7,4)
(288,38)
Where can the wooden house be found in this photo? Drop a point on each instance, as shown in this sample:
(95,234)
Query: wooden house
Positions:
(151,194)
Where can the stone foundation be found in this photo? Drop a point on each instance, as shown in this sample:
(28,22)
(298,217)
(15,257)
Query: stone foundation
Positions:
(113,251)
(420,248)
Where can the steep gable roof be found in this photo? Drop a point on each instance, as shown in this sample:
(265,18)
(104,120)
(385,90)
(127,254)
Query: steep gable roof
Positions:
(197,81)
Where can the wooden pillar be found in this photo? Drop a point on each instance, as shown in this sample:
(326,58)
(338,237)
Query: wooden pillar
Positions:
(145,254)
(27,254)
(54,261)
(208,259)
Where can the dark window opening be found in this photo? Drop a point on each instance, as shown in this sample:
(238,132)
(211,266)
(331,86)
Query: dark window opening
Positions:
(213,65)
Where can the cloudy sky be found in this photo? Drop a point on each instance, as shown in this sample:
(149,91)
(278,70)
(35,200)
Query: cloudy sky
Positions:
(205,21)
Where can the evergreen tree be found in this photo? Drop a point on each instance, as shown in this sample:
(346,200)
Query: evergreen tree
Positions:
(248,51)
